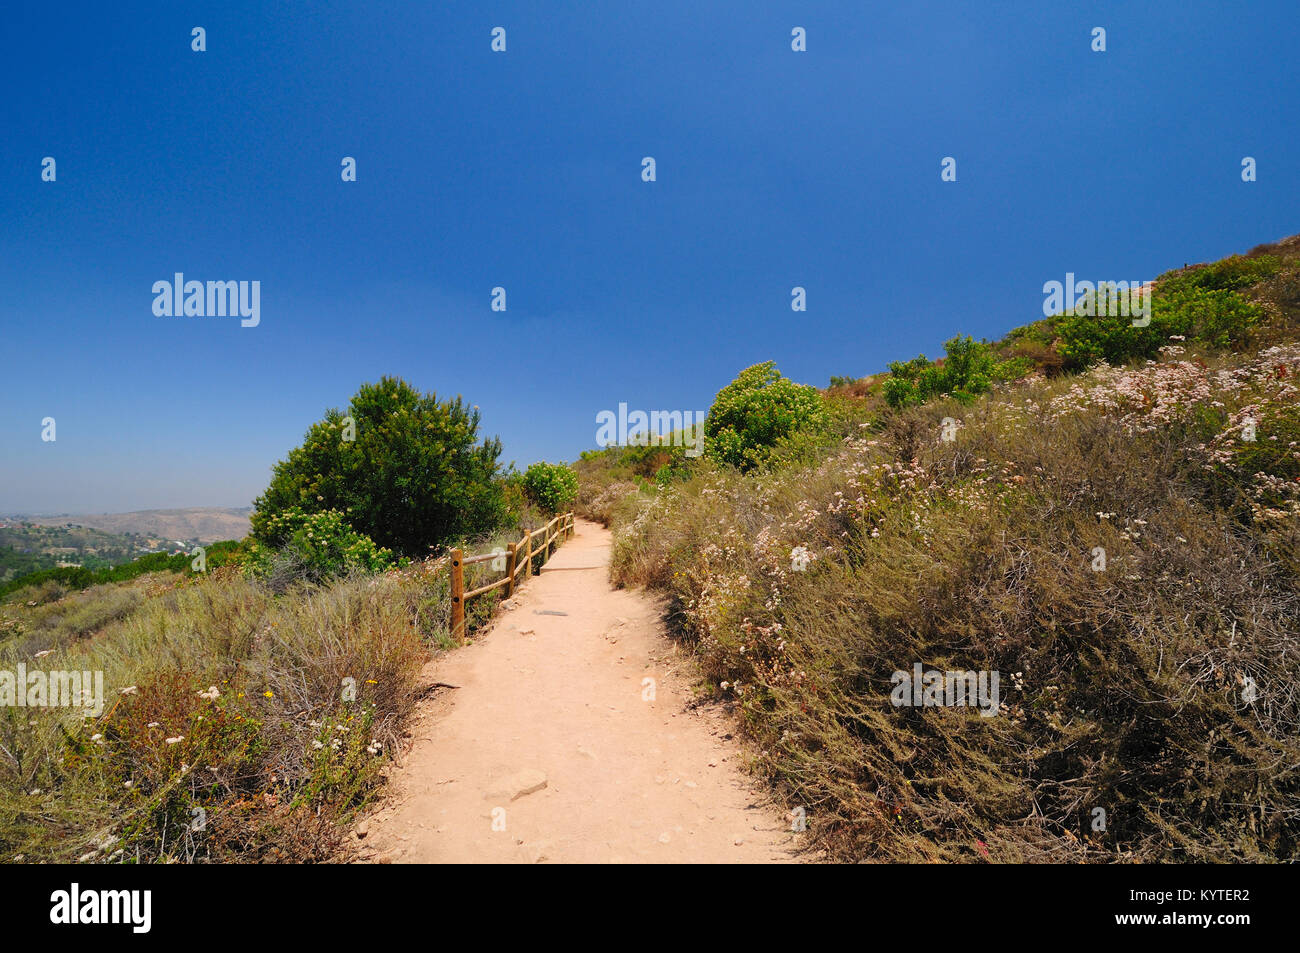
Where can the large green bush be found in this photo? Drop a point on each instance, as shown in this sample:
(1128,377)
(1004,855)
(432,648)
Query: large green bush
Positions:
(414,476)
(1230,274)
(1085,339)
(319,545)
(552,486)
(968,369)
(1201,305)
(755,412)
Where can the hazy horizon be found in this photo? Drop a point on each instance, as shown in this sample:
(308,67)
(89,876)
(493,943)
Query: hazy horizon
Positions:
(13,514)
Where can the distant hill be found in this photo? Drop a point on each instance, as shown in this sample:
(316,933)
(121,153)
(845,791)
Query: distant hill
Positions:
(206,524)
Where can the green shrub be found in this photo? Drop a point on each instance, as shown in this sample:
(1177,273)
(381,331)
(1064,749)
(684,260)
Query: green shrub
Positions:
(1218,318)
(1086,339)
(319,546)
(967,370)
(755,412)
(1201,305)
(1230,274)
(670,473)
(552,486)
(414,476)
(1013,368)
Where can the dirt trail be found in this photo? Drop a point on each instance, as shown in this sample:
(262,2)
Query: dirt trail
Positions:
(559,698)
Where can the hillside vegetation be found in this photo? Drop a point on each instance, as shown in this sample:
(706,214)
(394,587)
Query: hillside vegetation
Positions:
(27,547)
(1108,516)
(251,706)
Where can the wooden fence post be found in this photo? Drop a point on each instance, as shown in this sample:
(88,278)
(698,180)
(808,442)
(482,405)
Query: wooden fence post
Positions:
(510,569)
(457,596)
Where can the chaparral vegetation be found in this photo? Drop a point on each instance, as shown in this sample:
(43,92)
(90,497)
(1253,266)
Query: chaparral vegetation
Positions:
(254,701)
(1106,514)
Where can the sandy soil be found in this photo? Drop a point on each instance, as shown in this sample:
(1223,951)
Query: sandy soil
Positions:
(554,747)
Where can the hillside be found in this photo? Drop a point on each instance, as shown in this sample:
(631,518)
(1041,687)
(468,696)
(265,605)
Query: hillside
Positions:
(1035,601)
(203,524)
(27,547)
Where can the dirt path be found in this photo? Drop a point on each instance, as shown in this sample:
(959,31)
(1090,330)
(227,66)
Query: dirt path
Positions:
(558,698)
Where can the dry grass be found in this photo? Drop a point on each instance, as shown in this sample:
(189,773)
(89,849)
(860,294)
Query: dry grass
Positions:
(243,721)
(1122,690)
(265,768)
(599,503)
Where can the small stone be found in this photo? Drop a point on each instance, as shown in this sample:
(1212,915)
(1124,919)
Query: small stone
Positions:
(520,784)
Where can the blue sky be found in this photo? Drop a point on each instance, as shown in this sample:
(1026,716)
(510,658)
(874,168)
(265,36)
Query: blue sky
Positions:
(522,169)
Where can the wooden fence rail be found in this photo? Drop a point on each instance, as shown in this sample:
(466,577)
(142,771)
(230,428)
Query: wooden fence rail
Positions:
(518,556)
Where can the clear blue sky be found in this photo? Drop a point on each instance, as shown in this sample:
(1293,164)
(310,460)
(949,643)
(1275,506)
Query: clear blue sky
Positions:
(522,169)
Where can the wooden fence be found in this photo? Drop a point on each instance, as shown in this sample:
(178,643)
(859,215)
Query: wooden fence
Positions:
(518,556)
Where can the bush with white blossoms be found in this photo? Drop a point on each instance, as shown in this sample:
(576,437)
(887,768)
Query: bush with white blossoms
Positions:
(323,545)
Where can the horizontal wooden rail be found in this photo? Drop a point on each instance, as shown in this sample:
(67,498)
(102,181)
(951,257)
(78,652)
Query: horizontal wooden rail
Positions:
(518,557)
(488,588)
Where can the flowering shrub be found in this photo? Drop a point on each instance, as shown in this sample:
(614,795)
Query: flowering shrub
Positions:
(321,546)
(755,412)
(552,486)
(238,725)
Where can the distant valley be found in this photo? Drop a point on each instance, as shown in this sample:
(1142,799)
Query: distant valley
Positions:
(203,524)
(31,544)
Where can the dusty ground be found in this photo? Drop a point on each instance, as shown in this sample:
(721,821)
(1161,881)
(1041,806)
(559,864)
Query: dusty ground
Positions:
(553,747)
